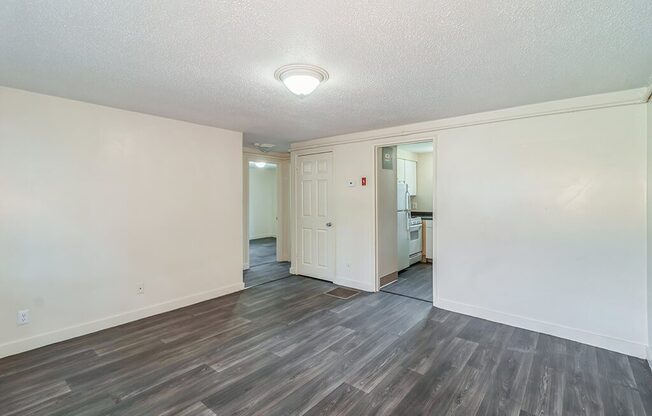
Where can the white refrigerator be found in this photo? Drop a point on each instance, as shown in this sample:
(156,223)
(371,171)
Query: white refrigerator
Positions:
(403,225)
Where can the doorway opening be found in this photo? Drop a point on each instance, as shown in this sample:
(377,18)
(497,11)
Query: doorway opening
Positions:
(265,224)
(405,208)
(263,215)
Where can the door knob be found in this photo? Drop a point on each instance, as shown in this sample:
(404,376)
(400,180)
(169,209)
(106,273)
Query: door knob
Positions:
(329,224)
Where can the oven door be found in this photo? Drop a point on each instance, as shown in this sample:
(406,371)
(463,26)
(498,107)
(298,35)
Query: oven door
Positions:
(415,239)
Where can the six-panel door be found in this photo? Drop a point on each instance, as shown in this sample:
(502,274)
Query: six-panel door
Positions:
(316,242)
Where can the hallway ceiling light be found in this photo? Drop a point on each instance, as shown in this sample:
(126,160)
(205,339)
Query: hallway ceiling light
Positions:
(301,79)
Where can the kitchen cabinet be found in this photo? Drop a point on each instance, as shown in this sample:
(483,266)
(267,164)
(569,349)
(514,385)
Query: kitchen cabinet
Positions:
(400,170)
(429,239)
(411,176)
(406,171)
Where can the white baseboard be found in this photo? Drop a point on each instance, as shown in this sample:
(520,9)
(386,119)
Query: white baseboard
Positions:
(355,284)
(293,270)
(40,340)
(649,357)
(585,337)
(245,266)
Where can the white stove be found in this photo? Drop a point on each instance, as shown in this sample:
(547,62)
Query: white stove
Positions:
(415,239)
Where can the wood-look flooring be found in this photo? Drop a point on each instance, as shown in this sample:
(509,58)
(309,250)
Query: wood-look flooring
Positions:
(286,348)
(265,273)
(415,282)
(262,251)
(263,265)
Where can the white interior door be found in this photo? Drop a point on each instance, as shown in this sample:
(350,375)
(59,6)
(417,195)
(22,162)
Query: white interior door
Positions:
(315,228)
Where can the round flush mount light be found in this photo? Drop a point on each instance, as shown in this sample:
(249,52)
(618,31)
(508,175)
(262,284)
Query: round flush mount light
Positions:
(301,79)
(264,147)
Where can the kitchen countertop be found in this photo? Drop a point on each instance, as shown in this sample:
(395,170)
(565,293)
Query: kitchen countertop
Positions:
(425,215)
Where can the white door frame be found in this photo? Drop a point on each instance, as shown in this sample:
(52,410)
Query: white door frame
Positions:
(396,141)
(294,214)
(282,160)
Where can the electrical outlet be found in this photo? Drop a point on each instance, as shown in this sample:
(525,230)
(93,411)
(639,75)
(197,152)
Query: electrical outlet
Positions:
(22,317)
(141,289)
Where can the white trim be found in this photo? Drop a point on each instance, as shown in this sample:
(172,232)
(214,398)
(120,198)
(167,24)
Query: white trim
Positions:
(36,341)
(649,357)
(355,284)
(597,340)
(590,102)
(293,270)
(245,266)
(648,91)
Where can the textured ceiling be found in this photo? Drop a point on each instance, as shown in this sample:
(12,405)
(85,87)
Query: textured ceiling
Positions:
(391,62)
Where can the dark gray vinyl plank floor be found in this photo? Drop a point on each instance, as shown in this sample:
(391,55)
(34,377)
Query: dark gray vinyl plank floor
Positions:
(262,251)
(264,273)
(286,348)
(415,282)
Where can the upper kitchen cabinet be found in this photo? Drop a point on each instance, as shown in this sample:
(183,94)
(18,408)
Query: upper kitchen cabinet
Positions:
(407,172)
(411,176)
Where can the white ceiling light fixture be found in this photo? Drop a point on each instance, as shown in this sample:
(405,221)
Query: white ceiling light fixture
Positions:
(264,147)
(260,164)
(301,79)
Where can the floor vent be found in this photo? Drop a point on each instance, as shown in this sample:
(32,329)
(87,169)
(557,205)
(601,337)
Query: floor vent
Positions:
(342,293)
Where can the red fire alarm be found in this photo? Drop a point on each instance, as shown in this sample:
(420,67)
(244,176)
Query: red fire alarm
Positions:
(364,181)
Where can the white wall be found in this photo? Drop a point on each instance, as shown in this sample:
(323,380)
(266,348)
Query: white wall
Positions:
(649,228)
(541,218)
(95,201)
(406,154)
(541,223)
(262,201)
(354,216)
(424,198)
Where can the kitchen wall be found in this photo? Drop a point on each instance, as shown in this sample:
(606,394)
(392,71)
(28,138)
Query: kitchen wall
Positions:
(406,154)
(262,201)
(96,201)
(541,215)
(425,183)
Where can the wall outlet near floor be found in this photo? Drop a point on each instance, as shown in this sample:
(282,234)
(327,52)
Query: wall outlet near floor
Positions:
(140,290)
(22,318)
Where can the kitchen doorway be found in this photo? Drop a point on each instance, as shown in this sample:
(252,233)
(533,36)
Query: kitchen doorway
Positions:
(405,208)
(265,217)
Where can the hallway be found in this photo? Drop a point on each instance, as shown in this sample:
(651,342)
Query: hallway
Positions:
(262,251)
(414,282)
(263,267)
